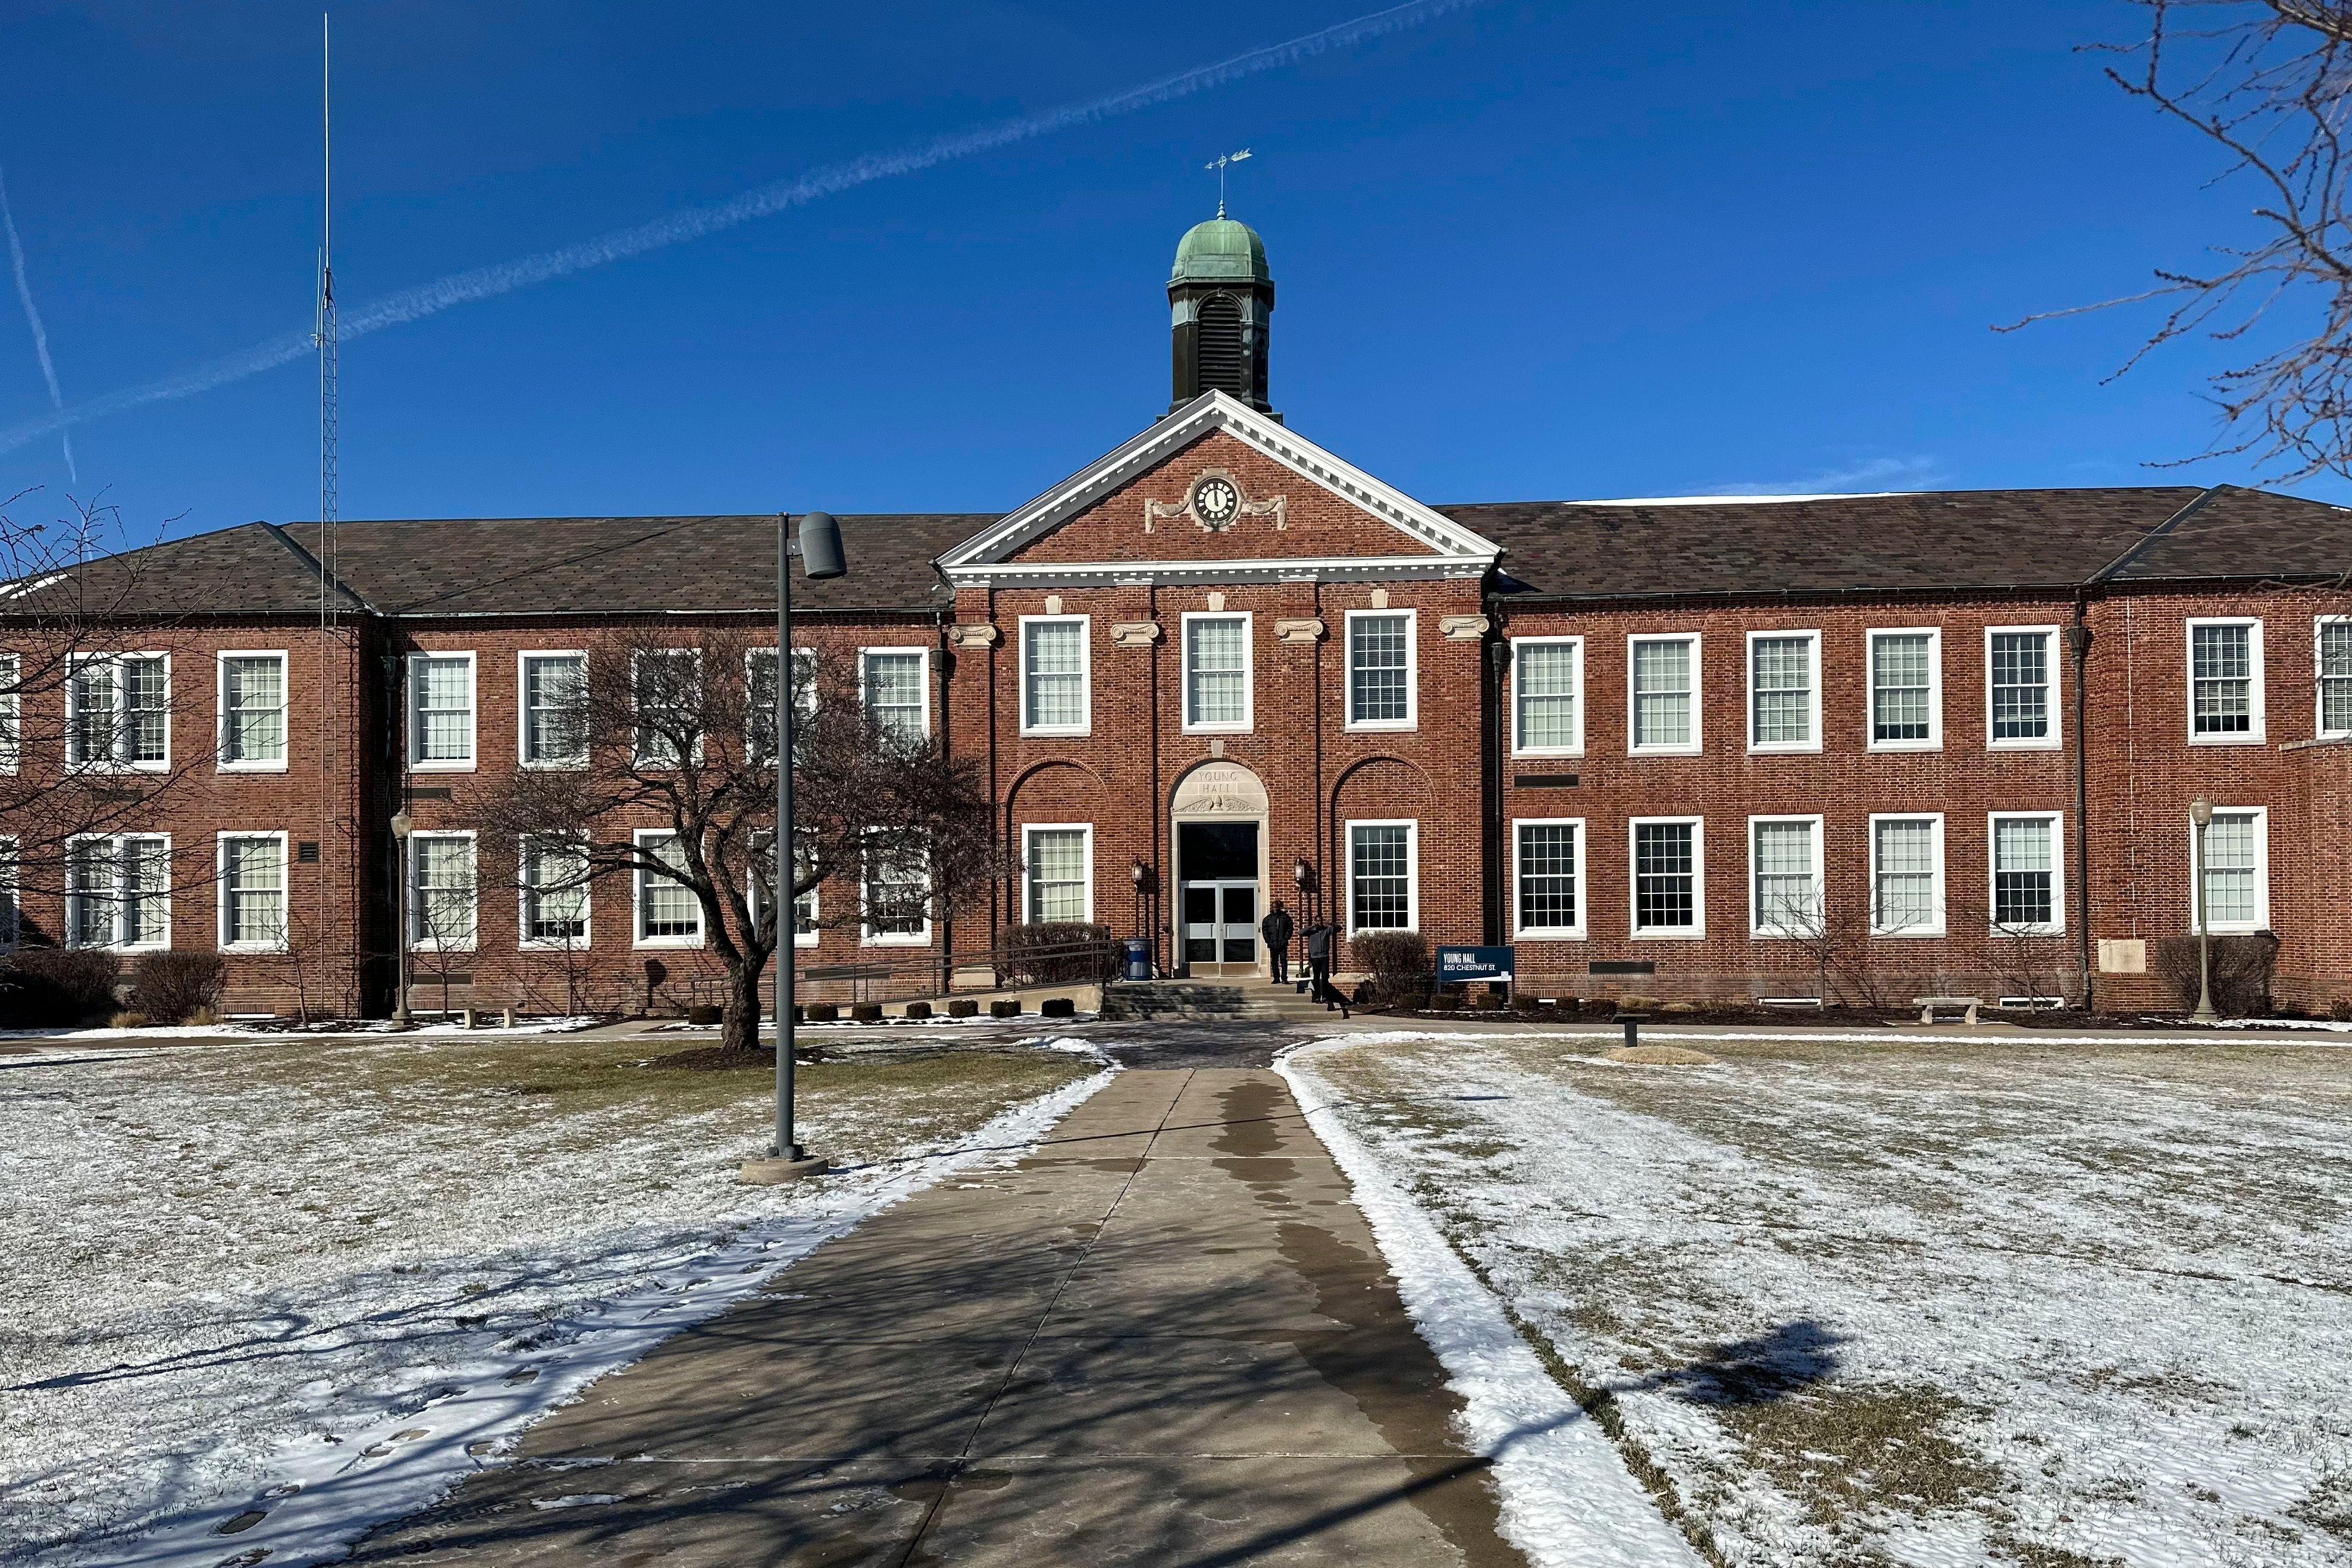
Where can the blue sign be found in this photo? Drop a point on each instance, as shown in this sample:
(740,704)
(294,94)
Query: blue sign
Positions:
(1457,965)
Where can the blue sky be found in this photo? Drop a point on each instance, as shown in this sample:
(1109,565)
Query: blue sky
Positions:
(1523,251)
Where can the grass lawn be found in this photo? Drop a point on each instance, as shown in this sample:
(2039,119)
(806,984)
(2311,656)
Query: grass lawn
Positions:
(212,1249)
(1867,1303)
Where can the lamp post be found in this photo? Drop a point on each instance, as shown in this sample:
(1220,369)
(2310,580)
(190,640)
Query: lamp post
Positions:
(2200,816)
(1302,876)
(401,825)
(819,549)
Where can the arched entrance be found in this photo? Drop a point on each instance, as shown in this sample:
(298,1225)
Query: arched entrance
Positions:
(1217,822)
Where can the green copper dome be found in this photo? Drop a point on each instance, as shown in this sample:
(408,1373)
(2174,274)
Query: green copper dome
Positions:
(1221,250)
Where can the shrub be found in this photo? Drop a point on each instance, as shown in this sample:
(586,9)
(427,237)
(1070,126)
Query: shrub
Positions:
(1057,1008)
(168,987)
(867,1012)
(918,1009)
(1490,1002)
(45,988)
(963,1008)
(703,1013)
(1005,1010)
(822,1012)
(1399,962)
(1443,1001)
(1061,953)
(127,1021)
(2242,971)
(203,1018)
(2341,1009)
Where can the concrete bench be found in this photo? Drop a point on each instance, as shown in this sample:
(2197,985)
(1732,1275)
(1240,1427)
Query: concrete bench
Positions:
(1927,1006)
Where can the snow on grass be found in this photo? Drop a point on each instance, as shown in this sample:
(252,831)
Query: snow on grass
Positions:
(570,1024)
(303,1281)
(2067,1305)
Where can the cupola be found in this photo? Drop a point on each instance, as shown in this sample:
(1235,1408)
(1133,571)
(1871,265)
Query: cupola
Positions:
(1220,296)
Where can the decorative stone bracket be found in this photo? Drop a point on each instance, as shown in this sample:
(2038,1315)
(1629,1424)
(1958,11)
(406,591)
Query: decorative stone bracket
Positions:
(1135,633)
(1463,628)
(1299,631)
(971,635)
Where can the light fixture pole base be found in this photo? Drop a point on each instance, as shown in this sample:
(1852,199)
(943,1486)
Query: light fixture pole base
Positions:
(769,1171)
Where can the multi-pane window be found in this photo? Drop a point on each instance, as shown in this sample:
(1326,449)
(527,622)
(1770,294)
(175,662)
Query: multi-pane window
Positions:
(1216,672)
(1546,677)
(1053,675)
(1058,885)
(441,903)
(668,913)
(252,710)
(2335,653)
(2235,898)
(554,699)
(441,702)
(119,892)
(118,712)
(1906,865)
(1902,696)
(1664,684)
(1548,878)
(897,891)
(1380,668)
(666,691)
(253,889)
(759,700)
(2025,874)
(2222,680)
(1780,690)
(1380,876)
(763,888)
(554,890)
(1666,878)
(7,892)
(2018,686)
(894,693)
(1784,855)
(11,712)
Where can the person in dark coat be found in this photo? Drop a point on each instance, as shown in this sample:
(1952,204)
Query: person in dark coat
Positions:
(1318,967)
(1277,928)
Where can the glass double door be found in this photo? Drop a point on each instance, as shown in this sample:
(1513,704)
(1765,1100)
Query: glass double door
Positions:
(1220,926)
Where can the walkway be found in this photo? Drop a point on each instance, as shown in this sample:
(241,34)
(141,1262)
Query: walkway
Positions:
(1168,1338)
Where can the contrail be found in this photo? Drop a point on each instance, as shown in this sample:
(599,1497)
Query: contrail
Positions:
(504,277)
(33,319)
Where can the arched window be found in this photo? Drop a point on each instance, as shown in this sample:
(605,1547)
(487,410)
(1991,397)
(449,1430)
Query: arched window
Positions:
(1224,367)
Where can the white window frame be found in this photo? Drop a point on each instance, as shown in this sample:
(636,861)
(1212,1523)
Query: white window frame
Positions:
(2261,921)
(1579,880)
(1640,932)
(922,677)
(2056,924)
(801,711)
(112,762)
(1086,720)
(115,943)
(419,939)
(221,760)
(1937,894)
(1576,683)
(416,760)
(1248,720)
(12,711)
(757,895)
(11,916)
(1412,826)
(1411,719)
(1697,701)
(1935,740)
(1812,742)
(285,891)
(1085,831)
(524,896)
(639,875)
(638,757)
(1759,927)
(522,707)
(2053,642)
(2318,678)
(870,937)
(2256,703)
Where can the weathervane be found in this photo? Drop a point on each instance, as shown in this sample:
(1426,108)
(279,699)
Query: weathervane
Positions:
(1219,165)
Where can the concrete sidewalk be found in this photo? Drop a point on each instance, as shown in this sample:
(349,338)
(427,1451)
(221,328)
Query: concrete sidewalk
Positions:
(1166,1338)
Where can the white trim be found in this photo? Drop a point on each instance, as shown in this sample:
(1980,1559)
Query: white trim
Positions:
(1576,665)
(1412,826)
(1758,928)
(2320,678)
(1640,932)
(1812,741)
(2056,924)
(1253,572)
(639,757)
(2262,920)
(1085,831)
(524,940)
(1085,726)
(12,713)
(12,916)
(1697,700)
(1411,719)
(1934,741)
(112,762)
(2255,705)
(115,943)
(418,942)
(638,873)
(417,764)
(2054,707)
(922,677)
(756,895)
(1575,933)
(866,936)
(221,891)
(523,657)
(1184,671)
(221,762)
(1936,895)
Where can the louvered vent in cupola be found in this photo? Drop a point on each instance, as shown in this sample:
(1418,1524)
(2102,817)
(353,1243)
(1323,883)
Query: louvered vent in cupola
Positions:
(1224,366)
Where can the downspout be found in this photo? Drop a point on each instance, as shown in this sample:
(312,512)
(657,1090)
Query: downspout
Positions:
(1497,660)
(944,664)
(2078,643)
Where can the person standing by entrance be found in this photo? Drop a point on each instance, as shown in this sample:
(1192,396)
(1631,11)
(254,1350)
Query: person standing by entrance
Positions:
(1277,929)
(1318,967)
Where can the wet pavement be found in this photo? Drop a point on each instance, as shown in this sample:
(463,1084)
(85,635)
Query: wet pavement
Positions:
(1165,1337)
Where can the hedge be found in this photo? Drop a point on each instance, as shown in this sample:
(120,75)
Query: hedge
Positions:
(50,988)
(2242,971)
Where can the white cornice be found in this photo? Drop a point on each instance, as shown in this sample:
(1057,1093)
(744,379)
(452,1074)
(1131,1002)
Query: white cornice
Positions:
(1159,573)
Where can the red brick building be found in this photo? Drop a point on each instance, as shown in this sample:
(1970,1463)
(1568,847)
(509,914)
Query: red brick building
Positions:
(1685,749)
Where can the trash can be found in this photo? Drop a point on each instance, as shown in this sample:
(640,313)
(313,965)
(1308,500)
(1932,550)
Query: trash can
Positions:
(1139,959)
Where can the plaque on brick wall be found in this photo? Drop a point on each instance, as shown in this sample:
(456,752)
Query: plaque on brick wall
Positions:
(2123,954)
(1545,780)
(1622,966)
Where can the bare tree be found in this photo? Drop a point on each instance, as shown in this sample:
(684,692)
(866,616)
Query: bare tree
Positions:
(2269,83)
(1831,944)
(672,787)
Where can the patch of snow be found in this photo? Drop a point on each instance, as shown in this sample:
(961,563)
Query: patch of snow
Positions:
(1658,1032)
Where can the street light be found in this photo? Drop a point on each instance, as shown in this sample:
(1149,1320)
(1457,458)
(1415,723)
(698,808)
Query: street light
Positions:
(819,548)
(401,825)
(2200,816)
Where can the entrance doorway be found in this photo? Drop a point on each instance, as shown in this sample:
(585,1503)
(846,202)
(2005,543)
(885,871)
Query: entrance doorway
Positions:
(1217,864)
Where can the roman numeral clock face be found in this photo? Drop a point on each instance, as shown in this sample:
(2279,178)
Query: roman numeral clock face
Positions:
(1215,500)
